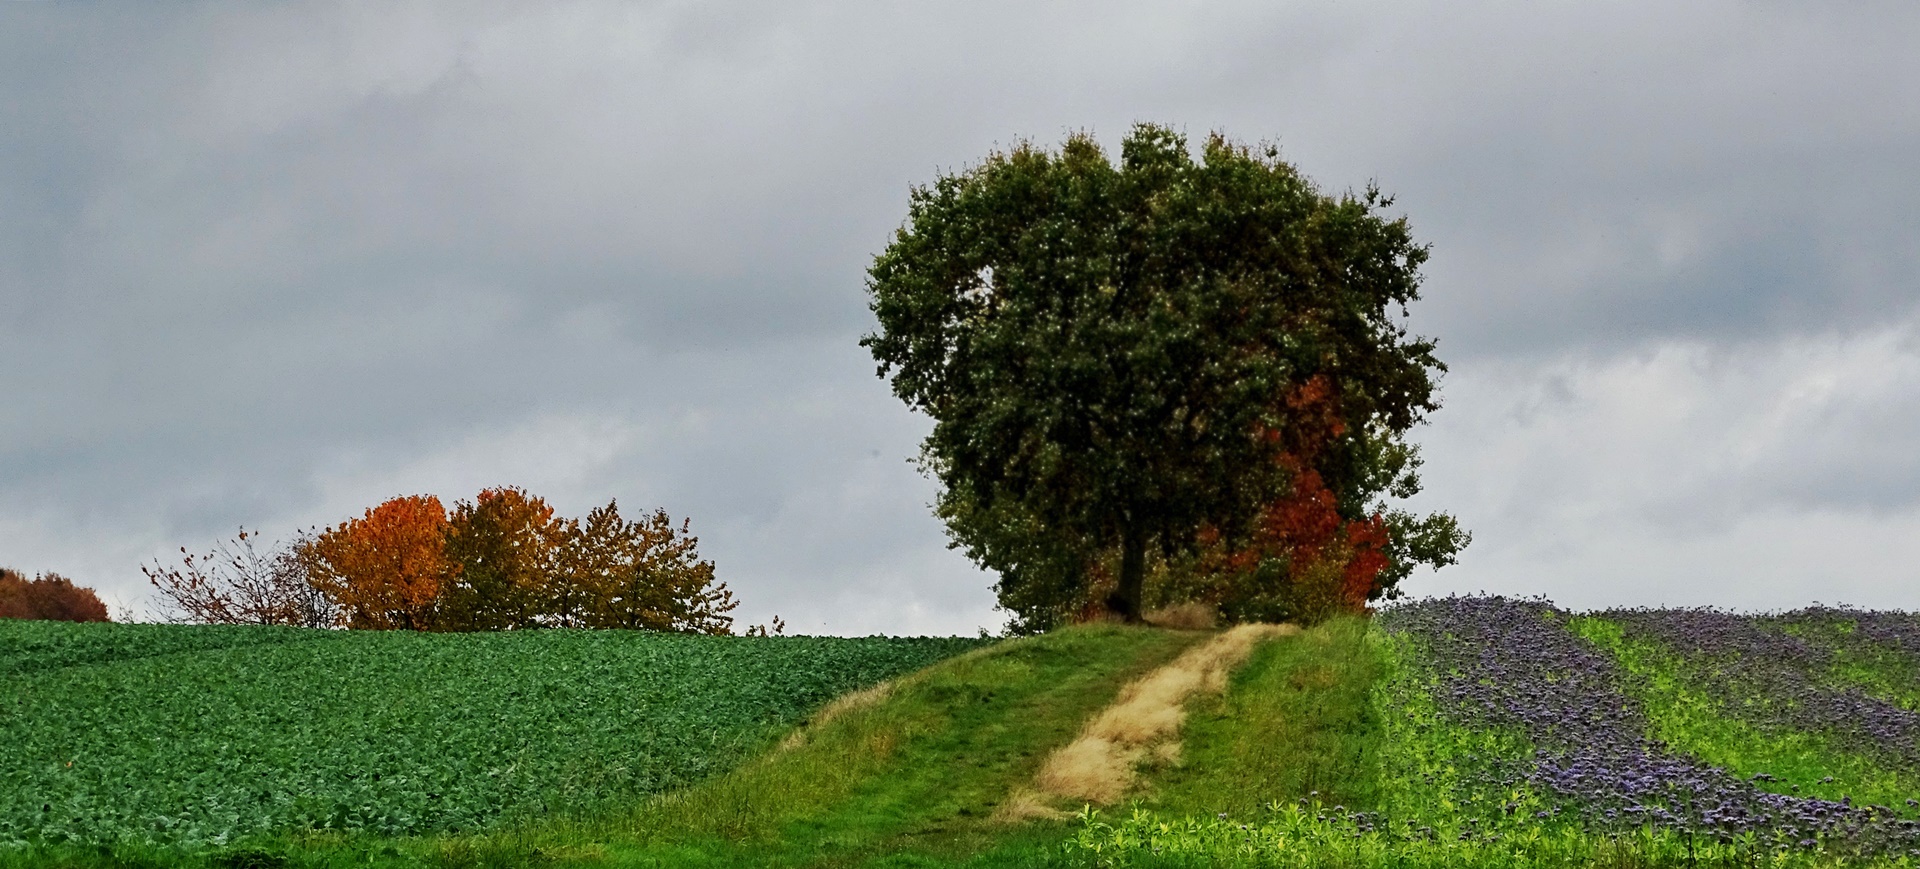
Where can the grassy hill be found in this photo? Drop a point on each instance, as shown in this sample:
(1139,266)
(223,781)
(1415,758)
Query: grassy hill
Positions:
(1457,732)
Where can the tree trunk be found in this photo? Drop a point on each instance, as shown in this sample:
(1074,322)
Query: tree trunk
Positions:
(1125,600)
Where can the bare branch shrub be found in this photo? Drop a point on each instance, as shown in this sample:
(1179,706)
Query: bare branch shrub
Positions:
(239,583)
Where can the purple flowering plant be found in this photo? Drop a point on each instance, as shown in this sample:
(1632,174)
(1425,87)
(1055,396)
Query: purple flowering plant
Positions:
(1877,652)
(1500,662)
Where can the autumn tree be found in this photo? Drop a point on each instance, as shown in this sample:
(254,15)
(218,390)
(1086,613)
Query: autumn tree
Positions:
(1307,555)
(48,596)
(385,570)
(1301,562)
(504,548)
(641,574)
(506,561)
(1108,352)
(240,583)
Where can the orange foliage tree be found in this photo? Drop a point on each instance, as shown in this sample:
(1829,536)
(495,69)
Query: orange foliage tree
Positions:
(48,596)
(643,574)
(502,561)
(386,569)
(504,546)
(1302,560)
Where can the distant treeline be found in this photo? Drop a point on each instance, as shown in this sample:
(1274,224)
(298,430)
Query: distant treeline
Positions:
(48,596)
(502,561)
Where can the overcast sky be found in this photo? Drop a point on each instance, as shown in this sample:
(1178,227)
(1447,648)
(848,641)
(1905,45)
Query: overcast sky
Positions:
(270,264)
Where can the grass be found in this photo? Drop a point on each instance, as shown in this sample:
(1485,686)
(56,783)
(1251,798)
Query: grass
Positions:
(914,779)
(1142,727)
(1296,720)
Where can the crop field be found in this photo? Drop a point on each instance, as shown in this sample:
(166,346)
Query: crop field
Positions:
(1514,733)
(198,736)
(1475,731)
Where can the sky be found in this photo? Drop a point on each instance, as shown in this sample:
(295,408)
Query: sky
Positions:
(270,264)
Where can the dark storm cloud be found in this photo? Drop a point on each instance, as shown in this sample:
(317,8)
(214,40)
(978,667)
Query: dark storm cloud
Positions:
(269,264)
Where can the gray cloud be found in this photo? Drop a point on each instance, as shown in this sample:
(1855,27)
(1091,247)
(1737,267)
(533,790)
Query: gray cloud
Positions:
(1765,474)
(269,264)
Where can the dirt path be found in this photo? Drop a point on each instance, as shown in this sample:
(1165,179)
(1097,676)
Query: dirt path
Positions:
(1102,763)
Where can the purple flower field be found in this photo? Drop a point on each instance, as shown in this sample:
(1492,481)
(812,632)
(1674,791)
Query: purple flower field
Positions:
(1888,641)
(1517,665)
(1760,673)
(1893,631)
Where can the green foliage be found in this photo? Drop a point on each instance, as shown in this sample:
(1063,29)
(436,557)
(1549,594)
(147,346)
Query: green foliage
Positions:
(1434,540)
(52,645)
(185,735)
(1307,837)
(1107,351)
(1043,580)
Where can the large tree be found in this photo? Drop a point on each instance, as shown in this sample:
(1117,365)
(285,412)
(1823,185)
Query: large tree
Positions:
(1113,355)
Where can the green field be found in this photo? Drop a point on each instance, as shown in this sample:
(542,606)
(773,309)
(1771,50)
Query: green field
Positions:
(200,736)
(1463,732)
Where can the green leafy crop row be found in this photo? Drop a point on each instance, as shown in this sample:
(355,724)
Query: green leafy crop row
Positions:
(26,647)
(209,735)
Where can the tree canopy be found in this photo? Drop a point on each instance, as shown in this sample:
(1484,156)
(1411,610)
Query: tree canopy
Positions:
(1145,357)
(386,569)
(48,596)
(502,561)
